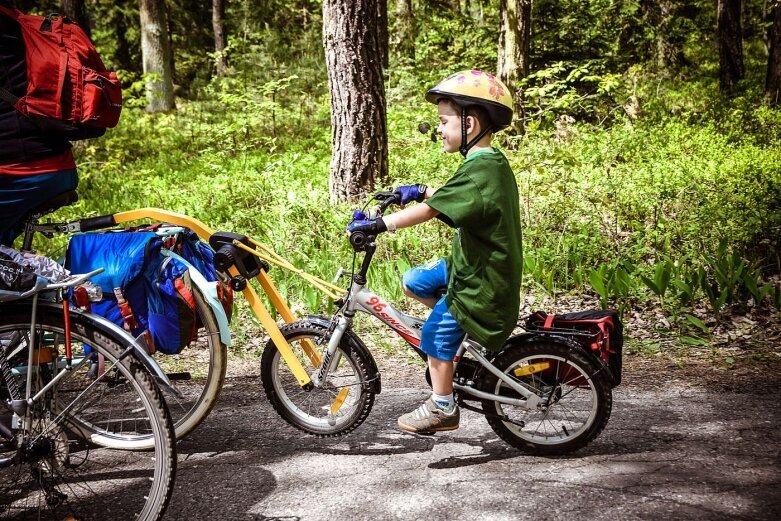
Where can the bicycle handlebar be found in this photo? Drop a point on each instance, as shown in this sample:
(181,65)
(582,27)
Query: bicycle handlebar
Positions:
(359,240)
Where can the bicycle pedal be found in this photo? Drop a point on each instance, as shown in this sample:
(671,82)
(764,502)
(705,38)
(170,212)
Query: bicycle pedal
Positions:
(179,376)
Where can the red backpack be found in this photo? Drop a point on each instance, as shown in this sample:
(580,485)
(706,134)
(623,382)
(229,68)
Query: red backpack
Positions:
(66,79)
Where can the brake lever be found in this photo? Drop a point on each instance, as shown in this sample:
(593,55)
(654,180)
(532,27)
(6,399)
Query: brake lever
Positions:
(382,196)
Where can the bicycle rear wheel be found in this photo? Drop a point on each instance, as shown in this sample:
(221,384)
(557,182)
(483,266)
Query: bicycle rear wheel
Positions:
(576,399)
(196,373)
(61,467)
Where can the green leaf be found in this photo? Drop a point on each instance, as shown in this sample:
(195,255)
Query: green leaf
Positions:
(651,284)
(597,282)
(697,323)
(693,341)
(662,276)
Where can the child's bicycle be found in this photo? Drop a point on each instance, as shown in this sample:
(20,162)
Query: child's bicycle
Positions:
(543,393)
(76,404)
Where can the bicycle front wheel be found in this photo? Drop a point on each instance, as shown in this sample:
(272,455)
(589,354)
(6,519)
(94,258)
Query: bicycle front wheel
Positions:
(338,405)
(75,455)
(576,399)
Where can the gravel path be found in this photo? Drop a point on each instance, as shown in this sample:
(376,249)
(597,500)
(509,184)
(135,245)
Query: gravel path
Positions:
(670,451)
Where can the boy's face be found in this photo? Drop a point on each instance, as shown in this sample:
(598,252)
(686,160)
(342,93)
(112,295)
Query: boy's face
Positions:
(449,125)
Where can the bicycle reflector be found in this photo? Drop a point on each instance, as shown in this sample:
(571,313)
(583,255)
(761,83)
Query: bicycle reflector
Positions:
(526,370)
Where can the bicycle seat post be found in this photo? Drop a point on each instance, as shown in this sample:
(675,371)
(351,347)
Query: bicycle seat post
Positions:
(29,231)
(56,202)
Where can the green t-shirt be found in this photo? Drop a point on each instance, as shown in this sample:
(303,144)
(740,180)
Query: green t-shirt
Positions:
(484,266)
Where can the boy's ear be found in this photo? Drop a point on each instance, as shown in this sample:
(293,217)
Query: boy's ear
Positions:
(472,125)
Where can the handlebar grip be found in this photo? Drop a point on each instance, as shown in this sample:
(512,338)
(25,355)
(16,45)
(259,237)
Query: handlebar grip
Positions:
(97,223)
(393,199)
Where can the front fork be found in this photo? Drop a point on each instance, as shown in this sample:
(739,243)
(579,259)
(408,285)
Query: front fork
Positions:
(332,356)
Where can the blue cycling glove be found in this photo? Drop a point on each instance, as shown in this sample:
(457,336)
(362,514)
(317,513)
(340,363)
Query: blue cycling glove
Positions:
(369,226)
(411,193)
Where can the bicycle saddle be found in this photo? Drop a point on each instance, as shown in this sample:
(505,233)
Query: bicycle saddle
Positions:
(55,203)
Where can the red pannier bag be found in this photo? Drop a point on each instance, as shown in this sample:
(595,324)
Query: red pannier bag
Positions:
(66,79)
(600,332)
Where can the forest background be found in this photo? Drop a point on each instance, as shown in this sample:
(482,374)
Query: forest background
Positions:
(647,153)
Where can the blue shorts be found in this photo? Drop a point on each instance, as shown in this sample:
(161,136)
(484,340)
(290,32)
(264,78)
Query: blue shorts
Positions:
(19,195)
(441,335)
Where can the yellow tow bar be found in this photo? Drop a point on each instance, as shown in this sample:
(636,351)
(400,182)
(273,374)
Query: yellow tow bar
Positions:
(205,232)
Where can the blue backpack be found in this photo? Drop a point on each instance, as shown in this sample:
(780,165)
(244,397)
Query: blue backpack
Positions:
(145,290)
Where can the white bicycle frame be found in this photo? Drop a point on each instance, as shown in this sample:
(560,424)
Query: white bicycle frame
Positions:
(409,328)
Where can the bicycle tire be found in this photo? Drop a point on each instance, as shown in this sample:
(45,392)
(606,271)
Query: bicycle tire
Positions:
(283,390)
(196,389)
(557,427)
(80,423)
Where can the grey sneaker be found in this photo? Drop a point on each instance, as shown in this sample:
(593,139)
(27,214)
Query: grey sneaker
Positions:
(429,418)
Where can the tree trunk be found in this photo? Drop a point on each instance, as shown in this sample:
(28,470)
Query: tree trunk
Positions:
(220,36)
(669,42)
(514,40)
(355,78)
(728,34)
(117,23)
(156,53)
(405,30)
(455,5)
(773,78)
(76,11)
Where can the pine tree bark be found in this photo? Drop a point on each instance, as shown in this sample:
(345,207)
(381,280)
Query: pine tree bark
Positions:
(405,30)
(76,11)
(773,77)
(514,41)
(156,56)
(730,41)
(353,55)
(220,36)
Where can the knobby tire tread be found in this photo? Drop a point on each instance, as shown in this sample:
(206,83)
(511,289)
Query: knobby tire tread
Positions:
(311,329)
(601,383)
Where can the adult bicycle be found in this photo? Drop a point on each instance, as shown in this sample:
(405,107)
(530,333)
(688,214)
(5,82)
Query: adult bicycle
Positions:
(76,406)
(192,380)
(542,393)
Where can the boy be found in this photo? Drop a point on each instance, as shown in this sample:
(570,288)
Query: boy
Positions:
(482,274)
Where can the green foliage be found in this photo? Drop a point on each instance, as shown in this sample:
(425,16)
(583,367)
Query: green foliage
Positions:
(636,183)
(661,280)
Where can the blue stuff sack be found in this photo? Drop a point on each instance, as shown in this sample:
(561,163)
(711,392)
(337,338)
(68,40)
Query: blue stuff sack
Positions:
(144,291)
(201,256)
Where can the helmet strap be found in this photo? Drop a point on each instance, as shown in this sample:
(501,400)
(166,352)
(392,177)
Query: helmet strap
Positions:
(464,148)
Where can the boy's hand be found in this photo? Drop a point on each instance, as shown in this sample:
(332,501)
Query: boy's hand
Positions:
(411,193)
(368,226)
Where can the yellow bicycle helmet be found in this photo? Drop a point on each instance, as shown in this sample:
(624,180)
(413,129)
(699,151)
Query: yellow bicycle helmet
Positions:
(476,88)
